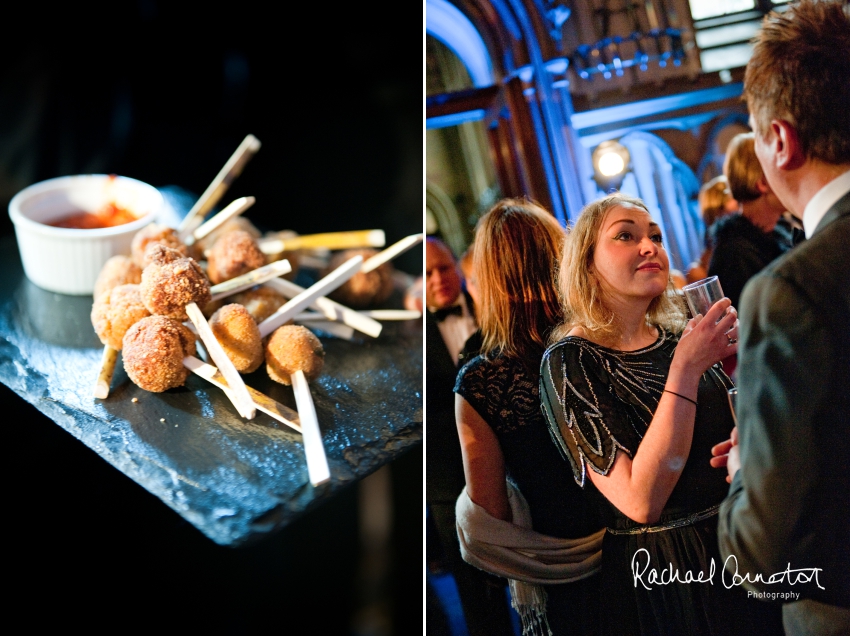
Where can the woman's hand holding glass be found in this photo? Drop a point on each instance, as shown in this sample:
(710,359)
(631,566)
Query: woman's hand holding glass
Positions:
(709,339)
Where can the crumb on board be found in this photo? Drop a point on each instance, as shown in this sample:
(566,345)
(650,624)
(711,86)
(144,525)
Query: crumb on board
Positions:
(134,400)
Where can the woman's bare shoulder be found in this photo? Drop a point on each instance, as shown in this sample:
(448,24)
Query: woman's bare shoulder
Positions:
(577,332)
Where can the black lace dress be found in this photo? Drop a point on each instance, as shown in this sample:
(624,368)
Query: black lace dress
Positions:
(599,402)
(507,396)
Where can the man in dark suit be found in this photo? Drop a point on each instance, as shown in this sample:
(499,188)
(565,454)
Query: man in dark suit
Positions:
(788,509)
(449,322)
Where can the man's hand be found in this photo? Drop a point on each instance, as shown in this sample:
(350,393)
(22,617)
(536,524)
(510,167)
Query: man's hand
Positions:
(726,454)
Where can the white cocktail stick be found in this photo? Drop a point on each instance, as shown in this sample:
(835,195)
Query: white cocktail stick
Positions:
(232,169)
(314,449)
(233,209)
(267,405)
(246,281)
(238,392)
(396,249)
(330,308)
(393,314)
(326,240)
(334,328)
(107,369)
(324,286)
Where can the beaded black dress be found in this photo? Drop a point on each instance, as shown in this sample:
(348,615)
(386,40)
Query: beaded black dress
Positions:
(506,394)
(600,401)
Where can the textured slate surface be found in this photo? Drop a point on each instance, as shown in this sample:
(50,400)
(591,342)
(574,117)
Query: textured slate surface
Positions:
(233,479)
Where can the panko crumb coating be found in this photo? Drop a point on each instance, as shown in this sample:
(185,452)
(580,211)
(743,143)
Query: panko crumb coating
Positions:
(115,311)
(363,289)
(239,336)
(153,353)
(118,270)
(155,233)
(291,348)
(171,282)
(261,302)
(232,255)
(232,225)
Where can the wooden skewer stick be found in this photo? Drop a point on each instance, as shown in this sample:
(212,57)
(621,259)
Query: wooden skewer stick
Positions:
(331,309)
(396,249)
(267,405)
(246,281)
(227,175)
(307,297)
(314,449)
(375,314)
(238,393)
(327,240)
(233,209)
(107,369)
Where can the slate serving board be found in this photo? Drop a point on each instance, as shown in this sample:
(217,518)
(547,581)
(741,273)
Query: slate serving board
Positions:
(235,480)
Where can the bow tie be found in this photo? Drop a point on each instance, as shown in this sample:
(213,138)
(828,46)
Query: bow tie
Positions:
(442,314)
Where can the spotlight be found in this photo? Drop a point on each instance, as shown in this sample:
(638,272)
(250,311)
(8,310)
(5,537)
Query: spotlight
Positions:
(610,164)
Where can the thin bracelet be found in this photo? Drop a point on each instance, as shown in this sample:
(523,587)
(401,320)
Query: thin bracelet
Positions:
(694,402)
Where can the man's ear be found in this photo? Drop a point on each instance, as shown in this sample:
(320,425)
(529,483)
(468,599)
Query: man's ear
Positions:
(788,152)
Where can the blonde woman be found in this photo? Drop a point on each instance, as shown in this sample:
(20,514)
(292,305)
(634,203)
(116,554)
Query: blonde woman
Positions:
(715,201)
(745,243)
(635,400)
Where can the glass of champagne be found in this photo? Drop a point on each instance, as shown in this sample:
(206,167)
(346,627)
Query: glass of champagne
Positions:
(702,294)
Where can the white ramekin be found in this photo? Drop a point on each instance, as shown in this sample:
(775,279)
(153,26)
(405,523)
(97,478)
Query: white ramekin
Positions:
(67,260)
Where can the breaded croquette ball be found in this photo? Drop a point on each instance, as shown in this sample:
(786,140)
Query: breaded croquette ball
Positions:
(232,255)
(153,353)
(363,289)
(115,311)
(261,302)
(239,336)
(118,270)
(238,223)
(171,282)
(155,233)
(291,348)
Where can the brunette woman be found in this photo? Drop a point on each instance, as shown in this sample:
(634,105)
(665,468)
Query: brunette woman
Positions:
(503,434)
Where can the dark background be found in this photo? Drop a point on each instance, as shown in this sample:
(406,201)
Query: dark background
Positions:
(165,92)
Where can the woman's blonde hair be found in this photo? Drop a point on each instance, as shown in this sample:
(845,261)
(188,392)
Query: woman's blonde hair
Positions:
(713,197)
(515,253)
(742,168)
(580,290)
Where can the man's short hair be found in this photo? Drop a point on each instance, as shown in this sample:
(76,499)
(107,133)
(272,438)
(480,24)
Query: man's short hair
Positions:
(742,168)
(800,72)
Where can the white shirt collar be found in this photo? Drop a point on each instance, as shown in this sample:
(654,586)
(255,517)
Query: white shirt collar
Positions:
(823,200)
(455,330)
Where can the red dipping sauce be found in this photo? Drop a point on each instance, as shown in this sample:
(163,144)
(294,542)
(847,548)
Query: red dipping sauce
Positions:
(109,215)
